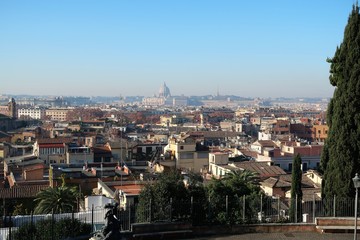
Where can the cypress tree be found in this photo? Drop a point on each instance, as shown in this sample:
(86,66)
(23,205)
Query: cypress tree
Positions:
(296,192)
(340,157)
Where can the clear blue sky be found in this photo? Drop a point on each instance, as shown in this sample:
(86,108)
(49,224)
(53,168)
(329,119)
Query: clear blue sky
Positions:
(261,48)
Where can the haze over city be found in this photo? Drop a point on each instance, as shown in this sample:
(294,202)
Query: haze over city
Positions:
(246,48)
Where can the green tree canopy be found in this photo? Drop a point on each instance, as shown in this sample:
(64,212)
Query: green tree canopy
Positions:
(169,197)
(154,198)
(235,185)
(340,157)
(296,192)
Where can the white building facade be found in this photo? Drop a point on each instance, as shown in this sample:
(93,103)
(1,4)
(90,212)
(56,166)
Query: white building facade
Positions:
(31,113)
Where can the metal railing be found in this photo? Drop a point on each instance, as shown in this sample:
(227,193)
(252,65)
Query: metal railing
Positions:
(222,210)
(91,220)
(246,209)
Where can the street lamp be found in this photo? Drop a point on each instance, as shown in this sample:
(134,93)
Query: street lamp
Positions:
(356,181)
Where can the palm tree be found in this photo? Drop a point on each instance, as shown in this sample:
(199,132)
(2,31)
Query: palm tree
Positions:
(59,199)
(241,181)
(245,176)
(250,177)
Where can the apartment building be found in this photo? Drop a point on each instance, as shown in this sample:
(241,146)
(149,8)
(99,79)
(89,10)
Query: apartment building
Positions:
(51,150)
(319,132)
(187,154)
(31,113)
(283,154)
(57,114)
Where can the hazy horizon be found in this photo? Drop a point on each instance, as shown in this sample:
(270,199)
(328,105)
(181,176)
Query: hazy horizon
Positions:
(113,96)
(263,49)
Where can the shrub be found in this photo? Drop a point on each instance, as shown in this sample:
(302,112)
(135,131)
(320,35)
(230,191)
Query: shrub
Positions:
(46,229)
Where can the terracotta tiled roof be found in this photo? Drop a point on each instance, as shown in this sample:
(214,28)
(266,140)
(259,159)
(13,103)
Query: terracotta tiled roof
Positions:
(288,143)
(263,169)
(275,182)
(53,145)
(133,189)
(34,167)
(249,153)
(21,192)
(53,140)
(101,150)
(267,143)
(305,181)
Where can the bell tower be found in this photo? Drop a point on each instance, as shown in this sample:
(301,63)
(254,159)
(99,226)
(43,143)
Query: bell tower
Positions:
(12,108)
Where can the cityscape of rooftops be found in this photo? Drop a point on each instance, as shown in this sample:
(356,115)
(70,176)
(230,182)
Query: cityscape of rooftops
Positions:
(179,119)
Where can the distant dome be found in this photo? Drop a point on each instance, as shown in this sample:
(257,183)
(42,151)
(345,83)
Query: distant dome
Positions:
(164,91)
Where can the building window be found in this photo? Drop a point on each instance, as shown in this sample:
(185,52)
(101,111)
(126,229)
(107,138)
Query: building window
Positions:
(186,156)
(181,147)
(148,150)
(305,167)
(203,155)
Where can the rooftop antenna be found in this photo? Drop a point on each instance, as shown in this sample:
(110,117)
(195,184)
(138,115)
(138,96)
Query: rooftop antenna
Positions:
(121,158)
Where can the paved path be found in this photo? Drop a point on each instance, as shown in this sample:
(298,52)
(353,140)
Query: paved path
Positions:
(282,236)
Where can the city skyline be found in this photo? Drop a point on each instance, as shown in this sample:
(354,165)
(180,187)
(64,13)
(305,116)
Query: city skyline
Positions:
(88,48)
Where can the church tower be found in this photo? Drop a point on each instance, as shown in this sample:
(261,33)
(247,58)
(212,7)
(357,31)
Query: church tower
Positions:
(12,108)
